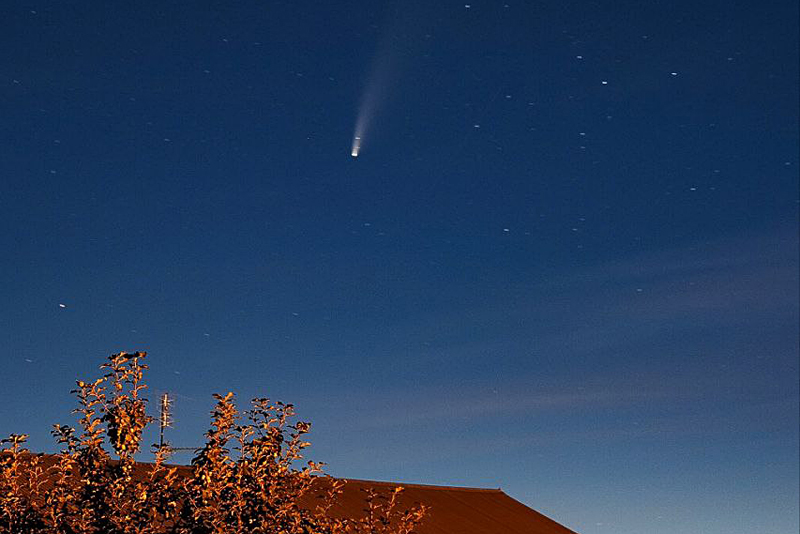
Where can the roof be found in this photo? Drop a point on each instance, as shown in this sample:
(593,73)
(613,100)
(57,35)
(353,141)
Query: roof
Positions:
(456,510)
(452,510)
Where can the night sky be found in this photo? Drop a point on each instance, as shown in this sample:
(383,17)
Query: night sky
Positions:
(564,263)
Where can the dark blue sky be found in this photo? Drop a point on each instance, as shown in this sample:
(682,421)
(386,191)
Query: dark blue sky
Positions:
(564,263)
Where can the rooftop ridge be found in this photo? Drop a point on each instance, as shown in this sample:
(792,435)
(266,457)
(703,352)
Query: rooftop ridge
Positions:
(388,483)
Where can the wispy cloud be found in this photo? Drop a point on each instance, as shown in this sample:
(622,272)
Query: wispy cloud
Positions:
(695,325)
(729,282)
(474,402)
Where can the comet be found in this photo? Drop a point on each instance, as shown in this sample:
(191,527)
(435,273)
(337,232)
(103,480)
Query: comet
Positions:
(382,75)
(402,34)
(373,94)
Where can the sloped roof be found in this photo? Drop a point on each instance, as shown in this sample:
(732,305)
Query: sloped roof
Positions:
(455,510)
(452,510)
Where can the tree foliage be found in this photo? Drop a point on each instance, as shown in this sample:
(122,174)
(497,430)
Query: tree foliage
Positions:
(247,478)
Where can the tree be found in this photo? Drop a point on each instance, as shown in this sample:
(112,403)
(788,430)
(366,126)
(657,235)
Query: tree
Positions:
(247,478)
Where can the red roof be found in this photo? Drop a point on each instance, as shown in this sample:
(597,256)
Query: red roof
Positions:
(452,510)
(455,510)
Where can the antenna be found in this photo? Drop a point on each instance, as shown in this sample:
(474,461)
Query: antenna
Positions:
(165,421)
